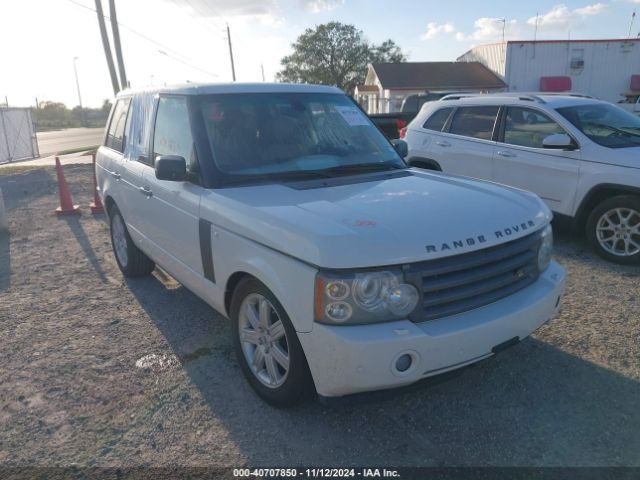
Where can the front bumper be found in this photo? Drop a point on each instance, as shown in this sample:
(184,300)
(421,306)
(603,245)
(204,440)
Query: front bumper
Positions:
(352,359)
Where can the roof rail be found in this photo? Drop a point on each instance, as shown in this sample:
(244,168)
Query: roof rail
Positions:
(458,96)
(525,96)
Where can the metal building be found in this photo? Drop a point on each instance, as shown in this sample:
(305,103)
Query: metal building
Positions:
(17,135)
(607,69)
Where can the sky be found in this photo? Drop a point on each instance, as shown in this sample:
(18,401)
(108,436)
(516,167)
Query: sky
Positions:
(173,41)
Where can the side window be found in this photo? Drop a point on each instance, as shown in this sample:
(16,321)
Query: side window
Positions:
(476,122)
(172,133)
(438,119)
(528,128)
(115,135)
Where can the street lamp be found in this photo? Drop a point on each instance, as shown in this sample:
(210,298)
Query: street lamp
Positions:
(75,70)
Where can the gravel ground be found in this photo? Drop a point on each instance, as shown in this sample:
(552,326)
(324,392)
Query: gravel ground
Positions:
(99,371)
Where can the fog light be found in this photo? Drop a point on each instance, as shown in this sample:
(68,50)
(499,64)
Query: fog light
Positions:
(339,311)
(403,363)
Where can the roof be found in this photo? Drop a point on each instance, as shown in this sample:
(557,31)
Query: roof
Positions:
(436,75)
(524,98)
(598,40)
(542,42)
(211,88)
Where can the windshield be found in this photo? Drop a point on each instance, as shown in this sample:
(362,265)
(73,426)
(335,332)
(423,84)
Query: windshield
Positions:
(265,135)
(605,124)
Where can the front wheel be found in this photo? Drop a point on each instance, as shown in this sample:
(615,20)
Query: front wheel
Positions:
(267,345)
(613,229)
(130,259)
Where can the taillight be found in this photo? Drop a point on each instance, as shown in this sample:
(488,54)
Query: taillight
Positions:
(400,123)
(403,132)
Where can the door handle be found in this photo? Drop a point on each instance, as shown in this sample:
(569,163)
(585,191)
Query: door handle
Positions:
(443,144)
(146,191)
(506,154)
(115,175)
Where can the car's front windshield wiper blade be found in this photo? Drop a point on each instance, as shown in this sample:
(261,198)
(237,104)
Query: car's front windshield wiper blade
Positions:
(364,167)
(615,129)
(271,176)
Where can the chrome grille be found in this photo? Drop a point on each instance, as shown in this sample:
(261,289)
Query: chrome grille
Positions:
(463,282)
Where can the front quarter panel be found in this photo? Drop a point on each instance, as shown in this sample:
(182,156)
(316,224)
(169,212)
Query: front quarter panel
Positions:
(289,279)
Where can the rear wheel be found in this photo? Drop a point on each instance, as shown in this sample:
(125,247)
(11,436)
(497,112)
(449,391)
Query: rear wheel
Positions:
(613,229)
(130,259)
(267,345)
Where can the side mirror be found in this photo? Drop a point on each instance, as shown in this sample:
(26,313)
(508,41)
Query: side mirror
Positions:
(171,167)
(559,141)
(401,147)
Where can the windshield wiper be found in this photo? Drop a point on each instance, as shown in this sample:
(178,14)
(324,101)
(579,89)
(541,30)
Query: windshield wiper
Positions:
(271,176)
(364,167)
(616,129)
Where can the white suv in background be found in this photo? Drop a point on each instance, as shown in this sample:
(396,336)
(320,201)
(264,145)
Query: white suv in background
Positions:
(581,155)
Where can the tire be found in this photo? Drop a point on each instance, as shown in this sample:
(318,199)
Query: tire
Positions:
(130,259)
(269,347)
(613,229)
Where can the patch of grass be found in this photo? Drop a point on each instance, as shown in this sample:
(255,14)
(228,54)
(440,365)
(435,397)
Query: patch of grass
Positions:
(88,150)
(20,169)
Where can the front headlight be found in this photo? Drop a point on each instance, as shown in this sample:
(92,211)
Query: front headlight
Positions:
(363,297)
(545,251)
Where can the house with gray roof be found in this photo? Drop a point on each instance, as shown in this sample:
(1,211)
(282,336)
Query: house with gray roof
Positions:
(387,84)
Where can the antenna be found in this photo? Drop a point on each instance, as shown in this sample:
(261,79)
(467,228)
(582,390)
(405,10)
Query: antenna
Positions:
(233,68)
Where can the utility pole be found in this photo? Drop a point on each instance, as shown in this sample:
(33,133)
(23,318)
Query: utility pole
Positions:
(262,69)
(233,68)
(107,47)
(633,17)
(75,70)
(116,43)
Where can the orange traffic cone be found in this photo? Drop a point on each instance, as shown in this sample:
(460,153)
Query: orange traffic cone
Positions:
(96,206)
(66,203)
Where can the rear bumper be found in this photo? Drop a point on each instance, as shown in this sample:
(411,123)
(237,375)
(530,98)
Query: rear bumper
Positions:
(353,359)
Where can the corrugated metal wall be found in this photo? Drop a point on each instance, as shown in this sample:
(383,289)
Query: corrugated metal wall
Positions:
(605,72)
(600,68)
(491,56)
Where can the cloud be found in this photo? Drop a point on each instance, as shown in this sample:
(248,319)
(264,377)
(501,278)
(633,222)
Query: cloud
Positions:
(317,6)
(488,29)
(560,17)
(233,7)
(434,29)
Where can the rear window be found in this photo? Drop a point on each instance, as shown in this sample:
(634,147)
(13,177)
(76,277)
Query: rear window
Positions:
(438,119)
(476,122)
(115,134)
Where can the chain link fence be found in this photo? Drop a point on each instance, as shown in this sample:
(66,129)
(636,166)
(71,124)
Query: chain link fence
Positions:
(17,135)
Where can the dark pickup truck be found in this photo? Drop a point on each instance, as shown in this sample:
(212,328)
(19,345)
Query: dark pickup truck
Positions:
(392,124)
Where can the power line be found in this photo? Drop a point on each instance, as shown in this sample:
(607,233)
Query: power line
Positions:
(162,52)
(135,32)
(217,33)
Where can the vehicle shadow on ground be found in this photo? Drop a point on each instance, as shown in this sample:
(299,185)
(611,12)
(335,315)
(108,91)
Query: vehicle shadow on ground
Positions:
(5,261)
(532,405)
(83,240)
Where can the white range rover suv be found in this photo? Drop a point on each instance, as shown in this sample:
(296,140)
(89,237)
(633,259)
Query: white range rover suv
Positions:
(341,269)
(581,155)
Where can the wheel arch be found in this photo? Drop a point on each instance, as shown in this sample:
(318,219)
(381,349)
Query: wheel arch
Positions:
(230,287)
(598,194)
(109,203)
(425,163)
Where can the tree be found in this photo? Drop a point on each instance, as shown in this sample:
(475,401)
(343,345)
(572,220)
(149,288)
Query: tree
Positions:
(335,54)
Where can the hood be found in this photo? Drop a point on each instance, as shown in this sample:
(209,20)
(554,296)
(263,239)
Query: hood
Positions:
(389,220)
(624,157)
